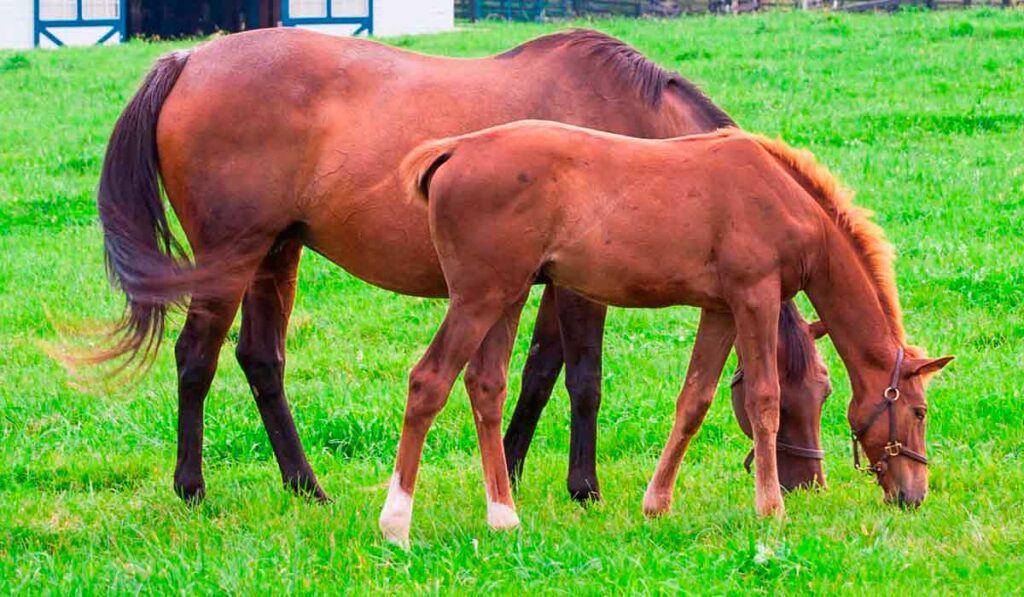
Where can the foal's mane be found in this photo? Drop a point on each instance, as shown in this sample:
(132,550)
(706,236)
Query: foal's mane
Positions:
(868,240)
(619,61)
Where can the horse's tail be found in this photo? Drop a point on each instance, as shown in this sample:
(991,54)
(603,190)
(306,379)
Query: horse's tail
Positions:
(143,258)
(420,165)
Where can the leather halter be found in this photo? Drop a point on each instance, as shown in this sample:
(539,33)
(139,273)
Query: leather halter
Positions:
(792,450)
(894,448)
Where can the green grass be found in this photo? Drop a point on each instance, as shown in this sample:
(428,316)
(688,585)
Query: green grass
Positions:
(922,113)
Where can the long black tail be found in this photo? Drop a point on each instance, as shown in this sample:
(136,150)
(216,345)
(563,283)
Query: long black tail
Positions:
(142,256)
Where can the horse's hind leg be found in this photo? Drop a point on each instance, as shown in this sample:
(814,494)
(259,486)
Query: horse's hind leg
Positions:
(430,383)
(261,353)
(539,375)
(197,350)
(582,327)
(715,336)
(485,379)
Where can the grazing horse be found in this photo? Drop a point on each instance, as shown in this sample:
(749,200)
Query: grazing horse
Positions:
(726,221)
(274,140)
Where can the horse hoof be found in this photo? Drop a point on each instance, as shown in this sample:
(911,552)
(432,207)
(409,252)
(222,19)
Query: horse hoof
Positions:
(307,487)
(584,489)
(657,504)
(191,491)
(771,507)
(501,516)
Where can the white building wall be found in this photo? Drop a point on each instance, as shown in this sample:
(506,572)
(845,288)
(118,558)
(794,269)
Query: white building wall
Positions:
(16,23)
(405,17)
(78,36)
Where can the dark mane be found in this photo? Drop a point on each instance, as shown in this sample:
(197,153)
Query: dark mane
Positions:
(628,66)
(796,341)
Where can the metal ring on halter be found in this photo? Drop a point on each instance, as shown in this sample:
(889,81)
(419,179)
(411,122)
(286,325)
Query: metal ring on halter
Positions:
(891,394)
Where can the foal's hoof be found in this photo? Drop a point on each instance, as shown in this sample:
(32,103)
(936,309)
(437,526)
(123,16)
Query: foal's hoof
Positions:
(395,534)
(501,516)
(771,507)
(191,491)
(657,503)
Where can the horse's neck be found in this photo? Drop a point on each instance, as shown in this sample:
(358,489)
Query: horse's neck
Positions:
(679,116)
(845,298)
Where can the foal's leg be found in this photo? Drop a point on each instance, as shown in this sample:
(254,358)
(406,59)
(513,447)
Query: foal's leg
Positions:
(261,353)
(757,325)
(486,378)
(539,375)
(430,382)
(582,326)
(715,336)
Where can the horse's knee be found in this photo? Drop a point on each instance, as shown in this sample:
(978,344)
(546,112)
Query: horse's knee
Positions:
(264,369)
(427,396)
(486,389)
(763,406)
(584,392)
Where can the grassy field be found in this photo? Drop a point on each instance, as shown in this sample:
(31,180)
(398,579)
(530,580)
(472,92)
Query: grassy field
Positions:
(922,113)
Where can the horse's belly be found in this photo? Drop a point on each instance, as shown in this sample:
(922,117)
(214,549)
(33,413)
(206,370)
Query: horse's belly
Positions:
(649,281)
(384,241)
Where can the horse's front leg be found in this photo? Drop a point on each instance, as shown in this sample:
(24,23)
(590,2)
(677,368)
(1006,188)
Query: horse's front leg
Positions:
(757,325)
(582,325)
(486,379)
(430,383)
(715,336)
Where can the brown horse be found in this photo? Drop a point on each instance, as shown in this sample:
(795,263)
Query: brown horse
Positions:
(729,222)
(272,140)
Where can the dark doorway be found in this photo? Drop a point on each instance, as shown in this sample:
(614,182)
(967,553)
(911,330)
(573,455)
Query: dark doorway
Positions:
(168,19)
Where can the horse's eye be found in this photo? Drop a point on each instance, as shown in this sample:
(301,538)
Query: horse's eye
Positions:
(920,412)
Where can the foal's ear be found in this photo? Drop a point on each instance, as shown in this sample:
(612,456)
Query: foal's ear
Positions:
(817,330)
(927,367)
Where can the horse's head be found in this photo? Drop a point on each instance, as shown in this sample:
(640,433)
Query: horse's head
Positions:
(804,385)
(889,422)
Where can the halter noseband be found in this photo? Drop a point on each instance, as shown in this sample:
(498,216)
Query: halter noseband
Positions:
(894,448)
(799,452)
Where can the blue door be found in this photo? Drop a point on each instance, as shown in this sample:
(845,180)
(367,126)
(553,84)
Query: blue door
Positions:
(78,22)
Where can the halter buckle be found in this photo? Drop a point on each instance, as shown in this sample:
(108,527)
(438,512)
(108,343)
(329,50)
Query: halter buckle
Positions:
(892,394)
(893,449)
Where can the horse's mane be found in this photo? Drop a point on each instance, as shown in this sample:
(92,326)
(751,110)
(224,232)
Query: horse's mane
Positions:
(869,242)
(798,343)
(621,62)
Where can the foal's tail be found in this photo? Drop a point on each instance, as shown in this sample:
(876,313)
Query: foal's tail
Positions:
(420,165)
(142,256)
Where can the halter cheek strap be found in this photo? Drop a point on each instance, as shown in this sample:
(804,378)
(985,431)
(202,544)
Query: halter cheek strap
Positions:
(792,450)
(894,448)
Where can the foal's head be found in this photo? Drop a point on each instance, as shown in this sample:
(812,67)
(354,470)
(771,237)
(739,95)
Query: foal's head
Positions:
(890,428)
(804,385)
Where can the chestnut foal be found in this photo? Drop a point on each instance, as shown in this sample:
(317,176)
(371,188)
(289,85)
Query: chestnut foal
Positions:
(730,222)
(274,140)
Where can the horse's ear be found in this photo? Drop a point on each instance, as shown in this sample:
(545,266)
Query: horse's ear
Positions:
(926,366)
(818,330)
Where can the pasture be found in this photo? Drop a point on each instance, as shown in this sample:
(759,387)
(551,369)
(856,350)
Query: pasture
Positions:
(922,113)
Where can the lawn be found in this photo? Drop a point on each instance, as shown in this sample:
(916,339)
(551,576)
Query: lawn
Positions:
(922,113)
